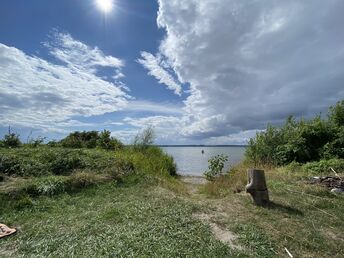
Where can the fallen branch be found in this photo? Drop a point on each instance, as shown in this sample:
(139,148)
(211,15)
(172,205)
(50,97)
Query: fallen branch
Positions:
(341,179)
(290,255)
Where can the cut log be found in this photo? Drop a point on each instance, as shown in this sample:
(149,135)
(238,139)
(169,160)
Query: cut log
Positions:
(257,186)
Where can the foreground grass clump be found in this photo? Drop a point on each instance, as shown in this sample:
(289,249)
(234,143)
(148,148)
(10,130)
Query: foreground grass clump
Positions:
(48,170)
(304,218)
(107,221)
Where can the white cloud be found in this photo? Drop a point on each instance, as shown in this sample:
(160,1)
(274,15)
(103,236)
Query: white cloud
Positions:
(155,66)
(252,62)
(36,93)
(78,55)
(148,106)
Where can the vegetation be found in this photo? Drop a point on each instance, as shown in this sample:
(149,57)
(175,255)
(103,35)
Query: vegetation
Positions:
(304,218)
(300,141)
(132,221)
(91,139)
(36,168)
(10,140)
(215,168)
(127,200)
(98,202)
(144,139)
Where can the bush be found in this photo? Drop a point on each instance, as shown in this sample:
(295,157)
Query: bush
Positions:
(323,167)
(120,168)
(15,165)
(300,141)
(216,165)
(82,179)
(91,139)
(9,165)
(108,143)
(65,164)
(50,186)
(144,139)
(11,140)
(53,143)
(36,142)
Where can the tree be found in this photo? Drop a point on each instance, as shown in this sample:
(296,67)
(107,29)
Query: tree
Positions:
(144,139)
(336,113)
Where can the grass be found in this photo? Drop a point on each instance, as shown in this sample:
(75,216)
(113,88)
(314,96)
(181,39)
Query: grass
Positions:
(108,221)
(48,171)
(127,204)
(306,219)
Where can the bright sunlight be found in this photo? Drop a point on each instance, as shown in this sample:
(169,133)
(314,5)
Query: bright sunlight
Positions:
(105,6)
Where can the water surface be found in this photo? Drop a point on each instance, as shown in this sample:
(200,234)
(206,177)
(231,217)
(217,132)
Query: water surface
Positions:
(191,161)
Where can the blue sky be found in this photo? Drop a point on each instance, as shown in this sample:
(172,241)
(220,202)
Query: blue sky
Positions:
(199,72)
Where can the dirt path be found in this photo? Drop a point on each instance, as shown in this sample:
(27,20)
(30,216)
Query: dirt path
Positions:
(213,215)
(193,182)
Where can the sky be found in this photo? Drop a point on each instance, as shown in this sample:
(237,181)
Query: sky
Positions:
(198,72)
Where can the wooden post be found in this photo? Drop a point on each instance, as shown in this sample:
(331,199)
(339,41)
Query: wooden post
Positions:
(257,186)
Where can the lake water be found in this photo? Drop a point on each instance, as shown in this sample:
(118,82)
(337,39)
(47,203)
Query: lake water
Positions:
(191,161)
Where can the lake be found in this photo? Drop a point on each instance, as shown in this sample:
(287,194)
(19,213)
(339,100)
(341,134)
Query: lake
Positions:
(191,161)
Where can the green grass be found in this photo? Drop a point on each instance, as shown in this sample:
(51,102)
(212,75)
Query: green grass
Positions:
(110,221)
(306,219)
(127,204)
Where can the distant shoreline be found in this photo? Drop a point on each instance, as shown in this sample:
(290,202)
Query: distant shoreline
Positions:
(190,145)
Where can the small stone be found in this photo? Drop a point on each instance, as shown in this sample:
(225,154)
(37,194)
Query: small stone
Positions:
(337,190)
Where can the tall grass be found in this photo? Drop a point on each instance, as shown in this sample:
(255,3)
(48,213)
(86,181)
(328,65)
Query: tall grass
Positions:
(48,171)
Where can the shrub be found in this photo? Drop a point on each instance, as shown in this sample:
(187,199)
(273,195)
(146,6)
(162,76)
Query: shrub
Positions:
(82,179)
(323,167)
(36,142)
(300,141)
(16,165)
(216,165)
(105,141)
(9,165)
(120,168)
(50,186)
(170,165)
(144,139)
(91,139)
(11,140)
(53,143)
(65,164)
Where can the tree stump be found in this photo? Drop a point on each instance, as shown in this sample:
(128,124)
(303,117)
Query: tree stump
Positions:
(257,187)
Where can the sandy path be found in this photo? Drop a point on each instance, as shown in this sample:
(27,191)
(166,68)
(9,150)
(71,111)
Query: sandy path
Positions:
(223,234)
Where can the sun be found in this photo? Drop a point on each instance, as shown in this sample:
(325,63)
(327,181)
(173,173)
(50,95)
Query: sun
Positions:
(105,6)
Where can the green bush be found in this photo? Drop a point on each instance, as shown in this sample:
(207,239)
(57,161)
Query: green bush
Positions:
(300,141)
(91,139)
(65,164)
(82,179)
(34,143)
(323,167)
(11,140)
(120,168)
(50,186)
(216,165)
(9,165)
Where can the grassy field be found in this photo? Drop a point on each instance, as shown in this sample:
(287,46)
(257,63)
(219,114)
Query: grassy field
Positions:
(127,204)
(110,221)
(306,219)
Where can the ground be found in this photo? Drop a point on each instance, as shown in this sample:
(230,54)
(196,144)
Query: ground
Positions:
(177,220)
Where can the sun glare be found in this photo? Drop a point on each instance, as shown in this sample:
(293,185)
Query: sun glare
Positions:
(105,6)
